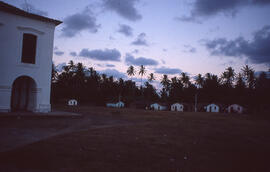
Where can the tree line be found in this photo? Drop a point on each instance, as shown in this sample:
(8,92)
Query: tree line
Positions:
(89,87)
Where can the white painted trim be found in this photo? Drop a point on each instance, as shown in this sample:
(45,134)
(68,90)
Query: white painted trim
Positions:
(37,60)
(30,29)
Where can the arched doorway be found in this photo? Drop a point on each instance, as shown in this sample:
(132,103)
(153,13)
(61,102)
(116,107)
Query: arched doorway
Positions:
(23,97)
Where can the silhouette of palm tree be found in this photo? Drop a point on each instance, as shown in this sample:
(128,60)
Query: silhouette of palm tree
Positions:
(199,80)
(131,71)
(228,76)
(151,77)
(165,82)
(249,76)
(185,79)
(142,72)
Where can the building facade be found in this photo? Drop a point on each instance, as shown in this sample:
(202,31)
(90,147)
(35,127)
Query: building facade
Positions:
(235,108)
(26,44)
(177,107)
(158,106)
(119,104)
(212,108)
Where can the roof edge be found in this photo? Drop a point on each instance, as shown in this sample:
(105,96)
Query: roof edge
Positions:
(14,10)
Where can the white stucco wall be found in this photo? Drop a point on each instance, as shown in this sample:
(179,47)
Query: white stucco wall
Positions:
(72,102)
(235,108)
(177,107)
(116,105)
(212,108)
(157,106)
(120,104)
(12,28)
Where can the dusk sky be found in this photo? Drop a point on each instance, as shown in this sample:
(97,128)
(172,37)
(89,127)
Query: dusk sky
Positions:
(167,36)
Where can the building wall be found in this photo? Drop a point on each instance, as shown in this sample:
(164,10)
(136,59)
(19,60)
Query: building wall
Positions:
(116,105)
(235,108)
(110,105)
(177,107)
(212,108)
(120,104)
(72,102)
(156,106)
(12,28)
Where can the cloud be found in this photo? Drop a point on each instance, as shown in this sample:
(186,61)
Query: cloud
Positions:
(111,38)
(78,22)
(257,73)
(169,71)
(136,51)
(59,53)
(102,55)
(113,72)
(208,8)
(106,65)
(138,80)
(60,66)
(140,40)
(191,19)
(256,50)
(131,60)
(125,30)
(110,65)
(189,49)
(30,8)
(73,53)
(124,8)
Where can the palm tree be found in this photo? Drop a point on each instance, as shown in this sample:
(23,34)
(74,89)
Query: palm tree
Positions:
(199,80)
(185,79)
(165,82)
(71,65)
(151,77)
(228,76)
(142,72)
(131,71)
(208,76)
(91,70)
(240,81)
(249,76)
(54,73)
(104,77)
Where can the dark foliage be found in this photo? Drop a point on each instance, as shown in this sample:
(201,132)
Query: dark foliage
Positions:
(89,87)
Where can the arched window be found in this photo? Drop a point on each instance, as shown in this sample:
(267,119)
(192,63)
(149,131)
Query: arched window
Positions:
(29,48)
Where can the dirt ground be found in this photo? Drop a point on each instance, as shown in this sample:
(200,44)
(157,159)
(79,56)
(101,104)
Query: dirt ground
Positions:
(106,139)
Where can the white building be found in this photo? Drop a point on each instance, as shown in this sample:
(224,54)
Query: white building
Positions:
(212,108)
(72,102)
(26,48)
(235,108)
(157,106)
(119,104)
(177,107)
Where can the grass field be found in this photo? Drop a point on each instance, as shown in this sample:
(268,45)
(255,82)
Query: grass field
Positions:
(116,140)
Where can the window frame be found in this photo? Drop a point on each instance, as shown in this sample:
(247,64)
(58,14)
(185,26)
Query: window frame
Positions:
(33,39)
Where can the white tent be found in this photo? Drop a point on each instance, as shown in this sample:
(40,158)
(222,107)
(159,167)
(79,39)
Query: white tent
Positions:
(177,107)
